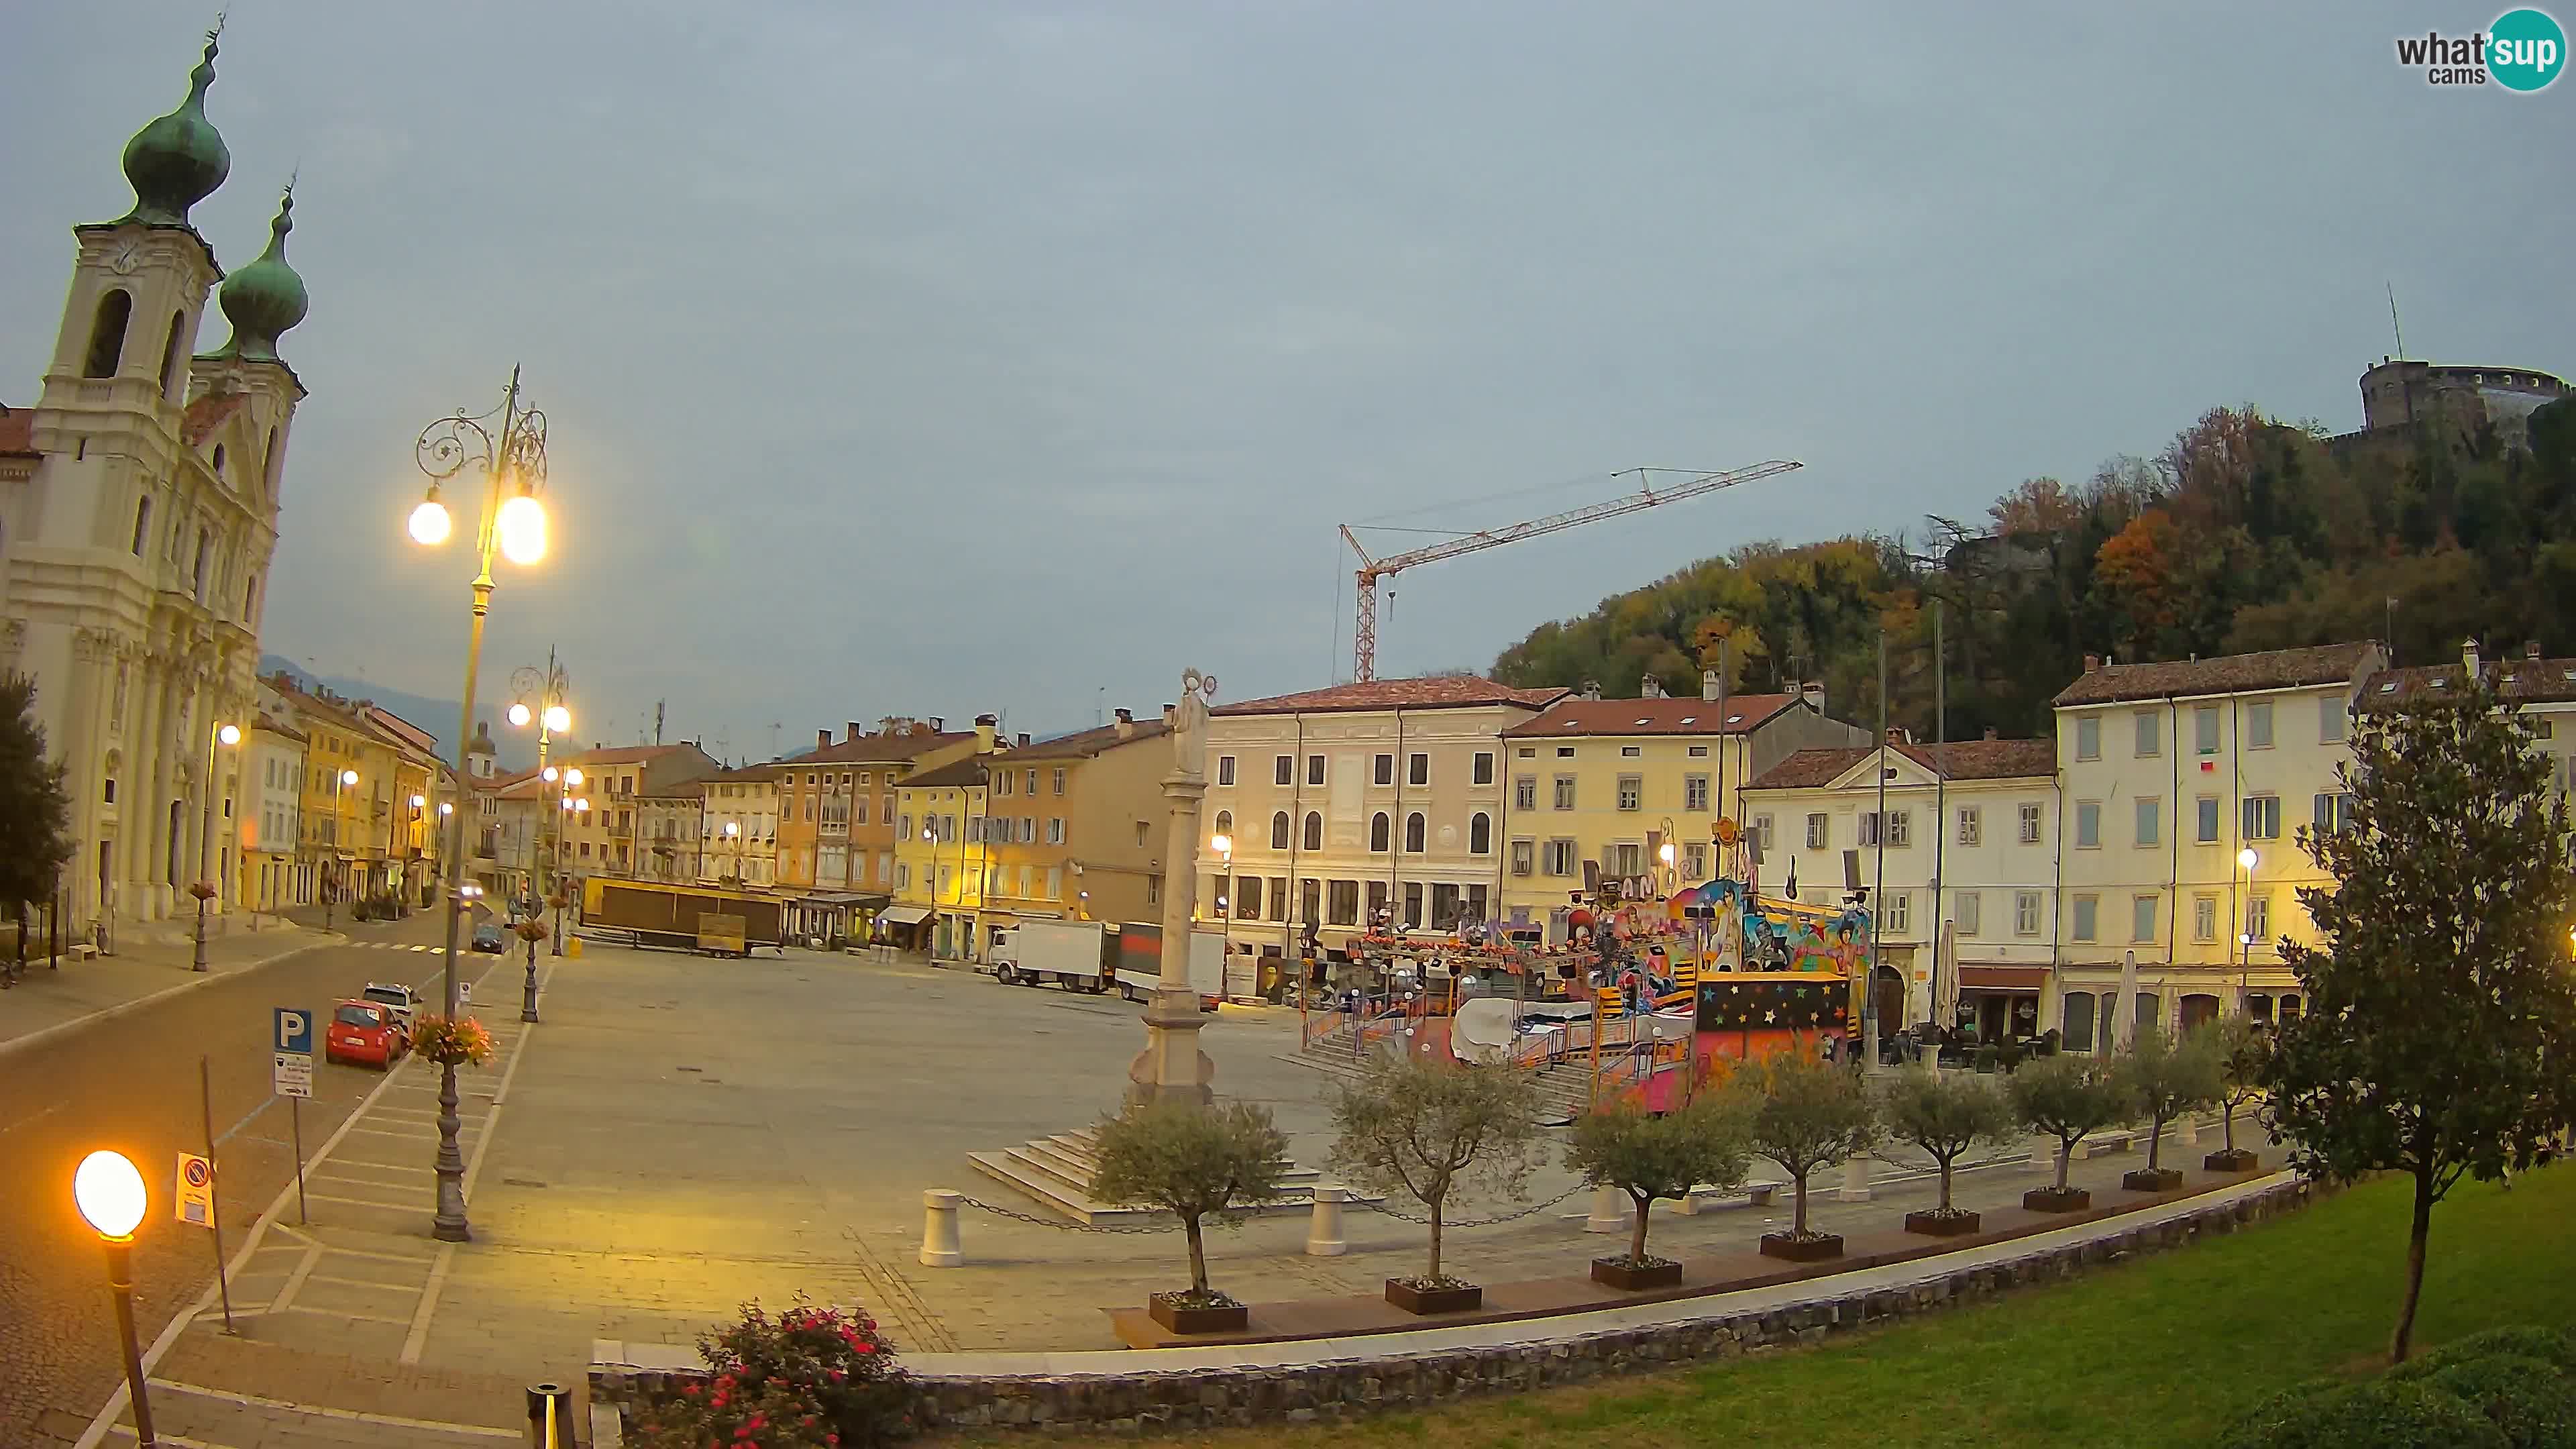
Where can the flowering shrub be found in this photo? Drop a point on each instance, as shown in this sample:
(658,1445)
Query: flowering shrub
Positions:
(810,1378)
(452,1041)
(531,930)
(203,890)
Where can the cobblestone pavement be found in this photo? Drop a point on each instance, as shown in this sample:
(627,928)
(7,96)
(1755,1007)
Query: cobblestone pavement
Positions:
(131,1082)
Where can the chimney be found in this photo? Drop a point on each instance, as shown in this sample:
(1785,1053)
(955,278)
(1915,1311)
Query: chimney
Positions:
(2469,657)
(1814,695)
(1171,715)
(939,724)
(2092,662)
(985,724)
(886,723)
(1592,689)
(1990,732)
(1126,725)
(1652,688)
(1021,739)
(822,739)
(854,733)
(1708,684)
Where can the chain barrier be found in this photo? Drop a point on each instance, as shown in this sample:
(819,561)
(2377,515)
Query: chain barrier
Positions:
(1060,1225)
(1445,1224)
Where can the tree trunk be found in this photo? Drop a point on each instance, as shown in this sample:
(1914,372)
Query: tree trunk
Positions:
(2155,1139)
(1945,1183)
(2416,1232)
(1798,1225)
(1434,1205)
(2065,1159)
(1198,1254)
(2227,1122)
(1637,1239)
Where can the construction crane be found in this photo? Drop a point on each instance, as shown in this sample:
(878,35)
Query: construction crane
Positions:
(1364,632)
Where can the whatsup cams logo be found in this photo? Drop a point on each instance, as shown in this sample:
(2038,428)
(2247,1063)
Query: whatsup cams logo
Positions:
(2523,51)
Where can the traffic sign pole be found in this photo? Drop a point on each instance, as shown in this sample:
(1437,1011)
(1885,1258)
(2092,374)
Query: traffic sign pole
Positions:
(295,1121)
(214,1219)
(292,1056)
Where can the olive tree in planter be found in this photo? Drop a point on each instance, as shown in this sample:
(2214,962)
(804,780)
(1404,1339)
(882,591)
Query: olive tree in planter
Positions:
(2244,1050)
(2068,1098)
(1806,1115)
(2165,1077)
(1198,1164)
(1946,1116)
(1648,1157)
(1423,1128)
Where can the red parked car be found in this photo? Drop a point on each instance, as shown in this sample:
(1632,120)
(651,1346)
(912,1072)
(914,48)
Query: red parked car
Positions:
(365,1031)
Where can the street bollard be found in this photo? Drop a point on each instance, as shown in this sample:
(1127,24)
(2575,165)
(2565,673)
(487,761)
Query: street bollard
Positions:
(2187,1132)
(1855,1186)
(1324,1237)
(939,1245)
(1609,1212)
(550,1417)
(1687,1204)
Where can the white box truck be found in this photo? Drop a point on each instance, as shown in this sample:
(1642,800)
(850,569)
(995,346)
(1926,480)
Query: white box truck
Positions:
(1070,954)
(1140,962)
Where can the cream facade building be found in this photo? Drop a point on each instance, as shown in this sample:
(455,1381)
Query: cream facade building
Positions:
(270,805)
(739,827)
(138,516)
(1381,799)
(2170,772)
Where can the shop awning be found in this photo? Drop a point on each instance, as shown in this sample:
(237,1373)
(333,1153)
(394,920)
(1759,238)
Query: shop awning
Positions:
(834,899)
(903,915)
(2003,978)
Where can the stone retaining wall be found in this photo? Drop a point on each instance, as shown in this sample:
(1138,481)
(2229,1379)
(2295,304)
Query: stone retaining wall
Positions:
(1345,1387)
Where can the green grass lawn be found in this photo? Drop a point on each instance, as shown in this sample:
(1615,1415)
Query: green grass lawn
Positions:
(2159,1352)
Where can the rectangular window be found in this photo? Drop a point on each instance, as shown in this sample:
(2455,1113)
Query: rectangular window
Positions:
(1153,890)
(1868,828)
(1059,779)
(2150,727)
(2330,719)
(2205,820)
(1525,792)
(1695,860)
(2333,812)
(2025,913)
(2088,824)
(1225,769)
(2142,917)
(2088,738)
(1560,857)
(1343,906)
(1900,827)
(2262,817)
(1965,909)
(2204,918)
(1377,899)
(1819,831)
(1565,792)
(2258,918)
(1971,828)
(1314,769)
(1283,770)
(1055,830)
(1565,752)
(1279,898)
(1524,854)
(2204,730)
(1762,833)
(2258,725)
(1484,767)
(2151,815)
(2030,822)
(1247,896)
(1417,770)
(1900,913)
(1632,790)
(1627,858)
(1055,884)
(1695,792)
(1384,769)
(1630,752)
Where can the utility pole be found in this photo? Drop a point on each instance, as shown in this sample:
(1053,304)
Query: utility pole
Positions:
(1940,800)
(1878,888)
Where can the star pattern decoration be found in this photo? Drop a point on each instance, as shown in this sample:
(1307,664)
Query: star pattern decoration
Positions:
(1771,1005)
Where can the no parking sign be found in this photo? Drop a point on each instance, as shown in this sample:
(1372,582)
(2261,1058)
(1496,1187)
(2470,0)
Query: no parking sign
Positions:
(196,1198)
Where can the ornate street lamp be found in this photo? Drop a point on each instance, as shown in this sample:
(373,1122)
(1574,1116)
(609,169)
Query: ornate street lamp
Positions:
(538,698)
(109,1193)
(204,888)
(514,469)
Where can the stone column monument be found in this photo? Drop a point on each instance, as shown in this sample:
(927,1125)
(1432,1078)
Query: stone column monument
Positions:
(1171,1066)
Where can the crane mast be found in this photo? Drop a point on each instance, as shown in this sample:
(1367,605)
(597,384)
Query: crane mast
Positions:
(1364,630)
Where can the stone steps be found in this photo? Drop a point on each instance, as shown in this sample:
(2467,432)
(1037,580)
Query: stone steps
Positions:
(1057,1171)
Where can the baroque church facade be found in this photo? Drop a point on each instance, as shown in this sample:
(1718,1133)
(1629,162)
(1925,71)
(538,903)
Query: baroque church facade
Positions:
(138,518)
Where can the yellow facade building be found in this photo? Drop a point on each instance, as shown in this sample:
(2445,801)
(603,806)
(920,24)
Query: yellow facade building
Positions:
(940,858)
(1077,827)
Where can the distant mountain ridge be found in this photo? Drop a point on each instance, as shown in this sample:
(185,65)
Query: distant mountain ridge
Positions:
(516,750)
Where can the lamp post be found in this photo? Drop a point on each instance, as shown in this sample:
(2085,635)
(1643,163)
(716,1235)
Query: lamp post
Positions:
(109,1193)
(551,717)
(332,877)
(514,467)
(2245,932)
(1223,845)
(204,890)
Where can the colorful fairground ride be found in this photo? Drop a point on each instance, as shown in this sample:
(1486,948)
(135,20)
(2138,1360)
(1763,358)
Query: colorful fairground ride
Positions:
(1715,972)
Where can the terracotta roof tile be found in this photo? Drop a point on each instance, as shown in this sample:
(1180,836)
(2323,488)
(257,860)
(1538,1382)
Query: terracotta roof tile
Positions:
(1083,744)
(17,431)
(1961,760)
(1570,717)
(2524,679)
(970,771)
(880,748)
(207,413)
(2227,674)
(1448,691)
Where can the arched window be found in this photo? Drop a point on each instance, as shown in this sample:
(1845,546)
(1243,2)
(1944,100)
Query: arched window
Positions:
(1225,823)
(219,462)
(170,360)
(250,600)
(1413,832)
(1379,831)
(269,462)
(107,334)
(142,523)
(1279,831)
(205,551)
(1314,831)
(1480,833)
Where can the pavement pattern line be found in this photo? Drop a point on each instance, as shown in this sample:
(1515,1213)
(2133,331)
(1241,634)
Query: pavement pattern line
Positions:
(427,1308)
(295,1280)
(324,1411)
(123,1431)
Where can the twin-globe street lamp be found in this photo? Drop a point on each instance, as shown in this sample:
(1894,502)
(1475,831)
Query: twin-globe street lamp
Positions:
(204,889)
(514,468)
(2245,933)
(339,782)
(109,1193)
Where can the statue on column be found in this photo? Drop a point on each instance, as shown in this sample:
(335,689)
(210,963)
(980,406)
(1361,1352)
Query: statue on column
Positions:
(1189,723)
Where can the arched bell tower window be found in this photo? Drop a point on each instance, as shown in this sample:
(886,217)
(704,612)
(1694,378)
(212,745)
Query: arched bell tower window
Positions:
(107,333)
(142,524)
(219,462)
(170,356)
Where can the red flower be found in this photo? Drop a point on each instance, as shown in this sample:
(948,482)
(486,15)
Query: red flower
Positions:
(690,1389)
(864,1347)
(836,1375)
(831,1438)
(757,1422)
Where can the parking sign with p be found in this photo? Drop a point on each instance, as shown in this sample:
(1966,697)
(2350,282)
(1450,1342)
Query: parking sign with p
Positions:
(294,1031)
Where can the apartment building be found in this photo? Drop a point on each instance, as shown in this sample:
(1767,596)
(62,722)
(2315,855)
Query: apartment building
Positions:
(670,831)
(738,827)
(1961,835)
(1079,826)
(2184,784)
(600,831)
(941,858)
(271,799)
(1368,801)
(836,818)
(1608,781)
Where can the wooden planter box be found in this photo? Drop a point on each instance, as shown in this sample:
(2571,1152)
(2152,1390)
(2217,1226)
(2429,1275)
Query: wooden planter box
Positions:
(1433,1300)
(2152,1179)
(1619,1273)
(2239,1160)
(2050,1200)
(1941,1225)
(1802,1250)
(1233,1319)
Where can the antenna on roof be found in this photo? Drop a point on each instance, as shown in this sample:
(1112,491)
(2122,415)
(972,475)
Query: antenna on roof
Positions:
(657,720)
(2392,320)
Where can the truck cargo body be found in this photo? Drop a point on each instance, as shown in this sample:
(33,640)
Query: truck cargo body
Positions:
(1140,962)
(1072,954)
(668,915)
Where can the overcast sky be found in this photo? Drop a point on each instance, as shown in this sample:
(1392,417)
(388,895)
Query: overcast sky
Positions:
(944,357)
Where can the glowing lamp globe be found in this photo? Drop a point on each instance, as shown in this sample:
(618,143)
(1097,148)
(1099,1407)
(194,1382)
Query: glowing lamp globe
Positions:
(519,716)
(550,774)
(521,526)
(109,1193)
(1221,844)
(2246,857)
(572,776)
(348,777)
(558,718)
(429,523)
(229,735)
